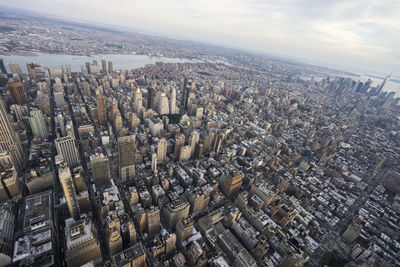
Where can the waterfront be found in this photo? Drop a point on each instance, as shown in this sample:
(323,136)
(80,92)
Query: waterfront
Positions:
(120,61)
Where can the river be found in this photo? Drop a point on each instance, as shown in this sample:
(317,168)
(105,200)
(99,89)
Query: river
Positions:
(119,61)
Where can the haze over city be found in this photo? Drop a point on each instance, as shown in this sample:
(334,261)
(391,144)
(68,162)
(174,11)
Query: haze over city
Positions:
(359,34)
(199,133)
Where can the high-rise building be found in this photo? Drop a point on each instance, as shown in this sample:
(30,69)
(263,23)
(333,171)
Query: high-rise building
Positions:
(110,67)
(2,67)
(194,138)
(101,109)
(38,124)
(82,244)
(8,140)
(133,256)
(68,186)
(184,154)
(380,88)
(18,93)
(198,202)
(33,69)
(104,66)
(100,169)
(114,238)
(8,212)
(172,104)
(179,142)
(184,229)
(151,98)
(138,100)
(11,186)
(162,150)
(15,69)
(154,162)
(153,221)
(176,210)
(187,86)
(232,183)
(66,147)
(163,106)
(126,158)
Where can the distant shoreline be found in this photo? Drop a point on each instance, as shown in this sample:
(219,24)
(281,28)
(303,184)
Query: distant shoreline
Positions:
(18,53)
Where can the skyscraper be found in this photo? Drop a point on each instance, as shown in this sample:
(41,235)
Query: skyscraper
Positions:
(179,142)
(68,186)
(8,140)
(32,70)
(175,211)
(2,67)
(232,183)
(100,169)
(184,229)
(194,138)
(380,88)
(172,104)
(154,162)
(101,109)
(110,67)
(138,100)
(153,220)
(163,106)
(38,124)
(104,66)
(18,93)
(151,98)
(184,153)
(162,150)
(187,84)
(66,147)
(126,159)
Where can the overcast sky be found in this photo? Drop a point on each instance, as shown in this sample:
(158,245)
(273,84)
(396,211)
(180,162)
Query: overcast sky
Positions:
(354,33)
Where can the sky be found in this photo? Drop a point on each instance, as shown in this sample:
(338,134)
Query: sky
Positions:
(362,34)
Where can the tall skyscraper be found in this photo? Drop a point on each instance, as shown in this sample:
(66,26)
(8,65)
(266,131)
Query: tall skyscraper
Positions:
(184,229)
(163,106)
(101,109)
(8,140)
(38,124)
(66,147)
(154,162)
(187,86)
(194,138)
(18,93)
(104,66)
(232,183)
(2,67)
(110,67)
(184,154)
(138,100)
(176,210)
(172,104)
(179,142)
(100,169)
(153,220)
(151,98)
(32,70)
(126,158)
(162,150)
(68,186)
(380,88)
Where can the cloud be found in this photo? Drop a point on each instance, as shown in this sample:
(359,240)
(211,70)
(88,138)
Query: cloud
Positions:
(362,33)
